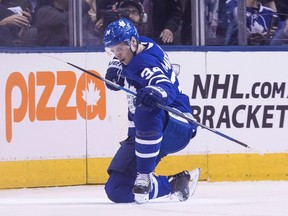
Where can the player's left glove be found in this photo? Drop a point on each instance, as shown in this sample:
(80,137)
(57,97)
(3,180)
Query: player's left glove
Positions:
(148,97)
(113,74)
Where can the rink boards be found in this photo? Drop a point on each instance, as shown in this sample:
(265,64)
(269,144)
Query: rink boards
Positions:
(60,127)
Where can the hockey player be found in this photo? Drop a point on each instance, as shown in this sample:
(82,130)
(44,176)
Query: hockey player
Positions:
(143,67)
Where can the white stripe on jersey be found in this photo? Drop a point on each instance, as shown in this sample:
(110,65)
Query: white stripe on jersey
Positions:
(155,186)
(147,155)
(163,80)
(173,77)
(162,76)
(148,142)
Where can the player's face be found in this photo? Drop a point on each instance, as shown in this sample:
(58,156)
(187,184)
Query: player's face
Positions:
(122,52)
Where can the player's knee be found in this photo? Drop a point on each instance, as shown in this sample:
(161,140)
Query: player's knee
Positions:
(111,193)
(114,196)
(117,194)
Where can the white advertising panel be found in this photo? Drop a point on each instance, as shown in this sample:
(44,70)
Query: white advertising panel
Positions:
(50,110)
(41,111)
(243,95)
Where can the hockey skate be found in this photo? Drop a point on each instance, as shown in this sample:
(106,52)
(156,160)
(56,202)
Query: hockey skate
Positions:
(184,184)
(141,188)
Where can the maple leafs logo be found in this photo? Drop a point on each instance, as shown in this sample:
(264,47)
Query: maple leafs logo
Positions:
(91,95)
(122,23)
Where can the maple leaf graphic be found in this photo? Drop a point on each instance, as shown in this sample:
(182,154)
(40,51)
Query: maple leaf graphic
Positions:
(93,95)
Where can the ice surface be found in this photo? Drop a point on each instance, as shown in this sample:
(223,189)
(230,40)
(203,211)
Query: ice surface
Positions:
(257,198)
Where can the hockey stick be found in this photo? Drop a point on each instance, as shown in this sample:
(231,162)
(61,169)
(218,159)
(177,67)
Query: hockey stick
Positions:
(166,108)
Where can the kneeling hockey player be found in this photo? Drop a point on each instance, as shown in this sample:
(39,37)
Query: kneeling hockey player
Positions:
(143,67)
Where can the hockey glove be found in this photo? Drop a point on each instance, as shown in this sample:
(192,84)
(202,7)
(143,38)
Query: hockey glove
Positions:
(147,98)
(114,74)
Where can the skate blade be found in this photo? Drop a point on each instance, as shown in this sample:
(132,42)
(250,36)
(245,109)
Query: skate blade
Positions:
(141,198)
(195,174)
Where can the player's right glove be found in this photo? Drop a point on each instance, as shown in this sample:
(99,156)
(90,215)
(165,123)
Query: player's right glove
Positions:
(113,74)
(148,97)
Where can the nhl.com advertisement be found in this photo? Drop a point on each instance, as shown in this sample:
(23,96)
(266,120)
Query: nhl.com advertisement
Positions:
(262,105)
(241,94)
(49,109)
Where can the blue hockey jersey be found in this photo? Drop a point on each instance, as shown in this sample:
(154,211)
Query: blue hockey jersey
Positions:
(151,67)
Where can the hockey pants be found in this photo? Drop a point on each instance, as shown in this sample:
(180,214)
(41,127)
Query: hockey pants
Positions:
(122,170)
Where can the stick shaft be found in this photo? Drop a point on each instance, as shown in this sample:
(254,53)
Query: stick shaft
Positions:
(169,109)
(166,108)
(103,79)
